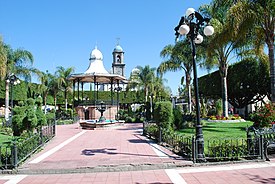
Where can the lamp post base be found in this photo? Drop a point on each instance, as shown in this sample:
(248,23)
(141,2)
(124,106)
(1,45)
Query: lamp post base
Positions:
(200,144)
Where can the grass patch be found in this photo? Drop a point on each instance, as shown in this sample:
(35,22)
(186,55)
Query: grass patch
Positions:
(219,130)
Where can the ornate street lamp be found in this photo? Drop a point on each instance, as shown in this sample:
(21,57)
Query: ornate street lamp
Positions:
(191,25)
(12,80)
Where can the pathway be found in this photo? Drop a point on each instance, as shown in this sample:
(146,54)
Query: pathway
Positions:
(122,155)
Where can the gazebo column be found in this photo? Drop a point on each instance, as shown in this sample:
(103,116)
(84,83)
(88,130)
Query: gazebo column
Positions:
(90,93)
(73,93)
(82,89)
(95,90)
(117,107)
(78,99)
(112,91)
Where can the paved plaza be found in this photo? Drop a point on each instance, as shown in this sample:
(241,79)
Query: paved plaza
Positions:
(120,154)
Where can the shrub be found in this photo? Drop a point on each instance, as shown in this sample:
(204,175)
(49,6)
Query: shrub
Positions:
(178,118)
(218,106)
(264,116)
(163,114)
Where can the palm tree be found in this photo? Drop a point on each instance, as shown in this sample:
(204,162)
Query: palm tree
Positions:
(255,19)
(160,91)
(3,60)
(143,80)
(45,79)
(64,83)
(54,88)
(222,45)
(18,62)
(179,57)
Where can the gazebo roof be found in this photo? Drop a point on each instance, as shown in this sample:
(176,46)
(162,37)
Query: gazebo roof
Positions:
(96,71)
(97,77)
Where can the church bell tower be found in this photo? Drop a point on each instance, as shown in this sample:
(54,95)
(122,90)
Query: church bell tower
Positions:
(118,64)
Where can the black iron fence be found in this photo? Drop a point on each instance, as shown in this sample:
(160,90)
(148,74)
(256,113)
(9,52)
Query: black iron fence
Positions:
(14,152)
(257,145)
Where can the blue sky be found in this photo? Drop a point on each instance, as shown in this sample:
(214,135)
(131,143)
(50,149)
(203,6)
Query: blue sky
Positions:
(64,32)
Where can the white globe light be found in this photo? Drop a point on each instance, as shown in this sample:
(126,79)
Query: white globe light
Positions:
(198,39)
(189,11)
(184,29)
(208,30)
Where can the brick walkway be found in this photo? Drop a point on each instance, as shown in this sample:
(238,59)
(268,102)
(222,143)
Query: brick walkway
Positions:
(122,155)
(113,149)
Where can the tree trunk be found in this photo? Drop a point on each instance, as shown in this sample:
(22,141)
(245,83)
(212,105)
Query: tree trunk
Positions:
(224,97)
(189,99)
(272,70)
(66,101)
(223,72)
(7,100)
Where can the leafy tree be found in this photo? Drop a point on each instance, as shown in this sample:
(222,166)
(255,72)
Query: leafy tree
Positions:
(244,84)
(255,20)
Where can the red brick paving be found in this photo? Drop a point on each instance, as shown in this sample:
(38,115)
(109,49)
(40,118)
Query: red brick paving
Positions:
(111,147)
(123,146)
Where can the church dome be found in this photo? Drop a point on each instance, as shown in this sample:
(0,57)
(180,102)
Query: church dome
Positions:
(135,71)
(96,54)
(118,48)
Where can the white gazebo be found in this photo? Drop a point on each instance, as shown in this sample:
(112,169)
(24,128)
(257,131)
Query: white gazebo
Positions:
(98,79)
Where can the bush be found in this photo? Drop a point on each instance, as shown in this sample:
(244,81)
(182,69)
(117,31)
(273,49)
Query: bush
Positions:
(152,130)
(264,116)
(178,118)
(218,106)
(163,114)
(27,115)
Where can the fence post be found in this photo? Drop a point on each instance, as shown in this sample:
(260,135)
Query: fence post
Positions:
(160,138)
(249,141)
(14,153)
(41,136)
(261,147)
(194,153)
(54,126)
(143,129)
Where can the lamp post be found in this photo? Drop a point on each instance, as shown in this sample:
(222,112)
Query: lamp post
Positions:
(190,25)
(12,80)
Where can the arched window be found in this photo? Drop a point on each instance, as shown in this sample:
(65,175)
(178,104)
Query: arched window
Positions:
(118,58)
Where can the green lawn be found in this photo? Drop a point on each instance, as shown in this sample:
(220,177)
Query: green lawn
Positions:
(220,130)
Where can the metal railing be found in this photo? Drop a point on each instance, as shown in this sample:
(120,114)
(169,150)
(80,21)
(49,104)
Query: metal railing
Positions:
(14,152)
(254,146)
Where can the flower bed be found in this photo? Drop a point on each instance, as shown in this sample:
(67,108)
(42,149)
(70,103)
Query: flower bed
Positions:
(231,117)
